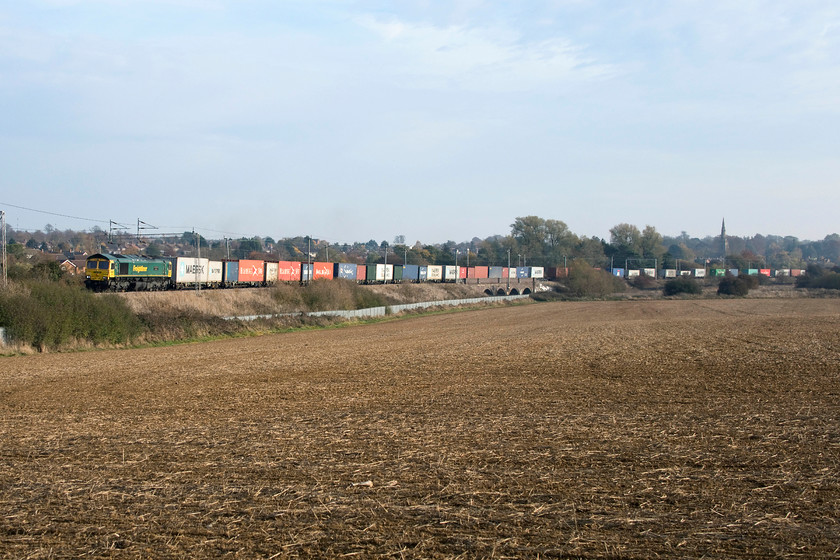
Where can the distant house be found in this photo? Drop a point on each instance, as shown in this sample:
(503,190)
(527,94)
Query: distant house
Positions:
(71,267)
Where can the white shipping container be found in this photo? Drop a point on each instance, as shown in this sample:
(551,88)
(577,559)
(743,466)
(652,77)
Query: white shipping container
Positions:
(271,270)
(450,273)
(650,272)
(215,276)
(388,272)
(699,272)
(380,273)
(435,272)
(670,273)
(537,272)
(189,270)
(633,273)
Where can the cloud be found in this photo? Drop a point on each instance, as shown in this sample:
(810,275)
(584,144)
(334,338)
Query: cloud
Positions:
(485,59)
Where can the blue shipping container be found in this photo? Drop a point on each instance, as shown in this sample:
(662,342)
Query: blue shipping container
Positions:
(232,271)
(411,272)
(495,272)
(346,270)
(306,271)
(523,272)
(618,272)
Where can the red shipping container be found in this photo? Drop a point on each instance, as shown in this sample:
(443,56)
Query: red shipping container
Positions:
(322,270)
(764,272)
(361,272)
(288,271)
(462,272)
(251,271)
(482,272)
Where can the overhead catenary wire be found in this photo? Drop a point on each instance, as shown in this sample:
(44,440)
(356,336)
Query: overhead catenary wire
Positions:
(183,229)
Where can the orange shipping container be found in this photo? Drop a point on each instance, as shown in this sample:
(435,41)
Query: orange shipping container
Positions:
(288,271)
(322,270)
(251,271)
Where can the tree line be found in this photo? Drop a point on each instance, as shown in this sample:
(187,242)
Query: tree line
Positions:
(531,241)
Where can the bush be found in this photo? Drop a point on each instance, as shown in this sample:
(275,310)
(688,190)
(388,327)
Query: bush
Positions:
(643,282)
(733,286)
(825,280)
(585,281)
(681,285)
(52,314)
(324,295)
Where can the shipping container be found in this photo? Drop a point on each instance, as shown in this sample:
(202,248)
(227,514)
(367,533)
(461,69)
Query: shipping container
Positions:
(231,272)
(618,272)
(783,272)
(796,272)
(288,271)
(450,273)
(733,271)
(251,271)
(764,272)
(216,272)
(495,272)
(191,270)
(523,272)
(670,273)
(651,272)
(361,272)
(306,272)
(423,274)
(554,272)
(699,272)
(398,272)
(435,273)
(375,273)
(483,272)
(322,271)
(462,272)
(411,272)
(348,271)
(537,272)
(271,269)
(633,273)
(752,271)
(718,272)
(685,273)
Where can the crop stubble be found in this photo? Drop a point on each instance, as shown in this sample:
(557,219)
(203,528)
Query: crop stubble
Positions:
(601,430)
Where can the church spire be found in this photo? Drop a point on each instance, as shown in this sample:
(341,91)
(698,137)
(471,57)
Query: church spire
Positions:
(724,246)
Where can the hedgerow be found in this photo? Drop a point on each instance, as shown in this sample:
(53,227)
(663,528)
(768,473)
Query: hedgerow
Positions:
(53,314)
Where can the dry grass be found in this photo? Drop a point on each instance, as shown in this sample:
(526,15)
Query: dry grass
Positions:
(691,429)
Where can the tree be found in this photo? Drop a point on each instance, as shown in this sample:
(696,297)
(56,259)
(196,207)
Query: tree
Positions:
(650,243)
(626,240)
(530,235)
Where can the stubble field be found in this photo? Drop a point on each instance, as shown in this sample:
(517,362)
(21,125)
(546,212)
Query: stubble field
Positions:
(690,429)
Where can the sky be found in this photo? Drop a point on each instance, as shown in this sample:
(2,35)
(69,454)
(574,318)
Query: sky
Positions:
(351,120)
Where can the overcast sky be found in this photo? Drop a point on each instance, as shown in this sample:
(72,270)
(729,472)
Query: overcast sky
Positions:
(356,120)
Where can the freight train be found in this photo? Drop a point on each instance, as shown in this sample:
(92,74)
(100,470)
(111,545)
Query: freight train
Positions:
(114,272)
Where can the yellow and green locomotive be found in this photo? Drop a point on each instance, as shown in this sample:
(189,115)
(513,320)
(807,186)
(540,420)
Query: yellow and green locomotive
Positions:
(107,272)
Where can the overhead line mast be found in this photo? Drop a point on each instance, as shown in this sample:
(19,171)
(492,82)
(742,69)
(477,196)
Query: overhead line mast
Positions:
(3,240)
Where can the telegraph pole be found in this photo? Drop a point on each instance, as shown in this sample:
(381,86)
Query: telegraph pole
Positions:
(3,240)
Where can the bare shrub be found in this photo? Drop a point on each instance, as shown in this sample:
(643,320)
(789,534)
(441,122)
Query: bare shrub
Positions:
(585,281)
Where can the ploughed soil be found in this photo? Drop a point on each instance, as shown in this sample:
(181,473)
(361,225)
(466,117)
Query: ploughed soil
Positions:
(632,429)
